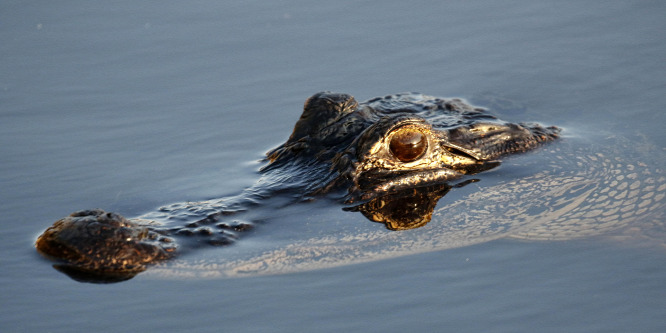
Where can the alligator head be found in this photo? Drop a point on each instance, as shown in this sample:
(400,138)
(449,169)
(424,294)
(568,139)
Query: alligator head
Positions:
(398,142)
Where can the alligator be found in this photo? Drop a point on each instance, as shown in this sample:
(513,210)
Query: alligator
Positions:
(391,158)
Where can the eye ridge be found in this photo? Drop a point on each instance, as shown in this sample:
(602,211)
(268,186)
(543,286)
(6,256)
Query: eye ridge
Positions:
(408,144)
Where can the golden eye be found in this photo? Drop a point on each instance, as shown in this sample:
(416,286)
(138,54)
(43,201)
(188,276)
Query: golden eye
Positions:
(408,144)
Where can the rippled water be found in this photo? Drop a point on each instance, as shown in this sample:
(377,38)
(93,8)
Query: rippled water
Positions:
(128,106)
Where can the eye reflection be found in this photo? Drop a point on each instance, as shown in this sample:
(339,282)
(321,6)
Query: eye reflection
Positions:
(408,144)
(403,210)
(407,209)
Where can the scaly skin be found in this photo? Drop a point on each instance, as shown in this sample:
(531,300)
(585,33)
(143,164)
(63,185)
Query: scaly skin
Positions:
(379,148)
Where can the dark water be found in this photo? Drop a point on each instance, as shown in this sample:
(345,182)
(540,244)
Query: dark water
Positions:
(129,106)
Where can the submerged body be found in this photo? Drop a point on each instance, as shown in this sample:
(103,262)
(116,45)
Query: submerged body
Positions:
(575,188)
(392,159)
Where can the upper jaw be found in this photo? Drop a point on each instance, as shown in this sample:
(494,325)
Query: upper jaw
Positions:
(452,153)
(488,141)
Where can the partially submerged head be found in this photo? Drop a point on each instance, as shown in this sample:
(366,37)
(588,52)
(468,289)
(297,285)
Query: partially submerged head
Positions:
(399,142)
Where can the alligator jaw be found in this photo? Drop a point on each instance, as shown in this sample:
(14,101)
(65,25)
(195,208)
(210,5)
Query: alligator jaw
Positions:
(489,141)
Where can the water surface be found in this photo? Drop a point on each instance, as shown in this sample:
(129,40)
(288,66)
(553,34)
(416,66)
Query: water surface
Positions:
(129,106)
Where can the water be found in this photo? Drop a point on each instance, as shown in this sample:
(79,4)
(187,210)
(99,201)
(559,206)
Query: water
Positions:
(129,106)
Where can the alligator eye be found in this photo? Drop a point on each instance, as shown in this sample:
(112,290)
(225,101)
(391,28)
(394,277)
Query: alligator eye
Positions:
(408,144)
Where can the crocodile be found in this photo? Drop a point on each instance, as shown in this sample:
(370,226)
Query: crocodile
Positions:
(392,159)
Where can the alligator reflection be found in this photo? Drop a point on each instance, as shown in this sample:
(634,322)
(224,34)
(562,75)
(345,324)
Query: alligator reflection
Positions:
(82,275)
(408,209)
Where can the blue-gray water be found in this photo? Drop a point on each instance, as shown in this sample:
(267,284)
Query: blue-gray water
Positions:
(127,106)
